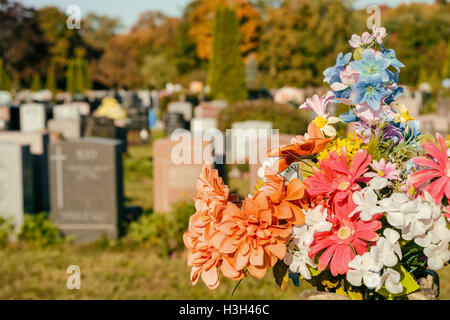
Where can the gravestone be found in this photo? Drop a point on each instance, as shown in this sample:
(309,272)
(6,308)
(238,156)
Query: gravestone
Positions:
(203,124)
(4,117)
(16,182)
(100,127)
(69,128)
(242,136)
(32,117)
(38,143)
(183,107)
(66,111)
(86,182)
(175,182)
(173,121)
(210,109)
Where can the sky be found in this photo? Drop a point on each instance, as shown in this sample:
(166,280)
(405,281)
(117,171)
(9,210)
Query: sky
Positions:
(128,10)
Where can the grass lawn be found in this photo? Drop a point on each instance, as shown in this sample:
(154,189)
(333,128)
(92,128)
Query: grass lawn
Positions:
(126,273)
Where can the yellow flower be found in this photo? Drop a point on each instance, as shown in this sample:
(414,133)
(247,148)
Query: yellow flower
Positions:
(324,123)
(402,114)
(352,144)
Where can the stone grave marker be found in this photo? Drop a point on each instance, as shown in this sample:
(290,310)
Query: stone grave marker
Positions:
(173,121)
(175,182)
(66,111)
(16,182)
(69,128)
(32,117)
(38,143)
(183,107)
(87,188)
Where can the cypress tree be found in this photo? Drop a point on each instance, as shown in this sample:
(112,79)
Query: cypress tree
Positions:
(36,83)
(87,83)
(50,83)
(69,77)
(226,71)
(5,80)
(78,76)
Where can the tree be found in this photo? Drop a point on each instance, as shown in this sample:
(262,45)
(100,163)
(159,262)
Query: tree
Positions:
(201,21)
(97,30)
(156,71)
(36,83)
(301,38)
(70,77)
(251,71)
(5,80)
(226,71)
(22,44)
(119,65)
(50,83)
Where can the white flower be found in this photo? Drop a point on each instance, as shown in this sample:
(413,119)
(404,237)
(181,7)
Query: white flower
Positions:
(438,232)
(394,202)
(437,255)
(366,201)
(302,236)
(391,281)
(266,164)
(364,268)
(298,261)
(378,183)
(316,219)
(387,251)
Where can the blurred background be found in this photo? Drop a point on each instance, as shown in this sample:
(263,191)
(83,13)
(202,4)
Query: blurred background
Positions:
(90,92)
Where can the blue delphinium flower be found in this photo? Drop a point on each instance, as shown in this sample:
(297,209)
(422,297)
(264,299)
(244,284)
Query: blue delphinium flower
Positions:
(332,73)
(410,129)
(397,92)
(370,90)
(390,55)
(372,65)
(348,117)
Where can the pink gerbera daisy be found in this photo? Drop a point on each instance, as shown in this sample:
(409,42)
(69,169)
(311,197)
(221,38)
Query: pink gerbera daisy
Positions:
(387,170)
(438,168)
(336,180)
(347,238)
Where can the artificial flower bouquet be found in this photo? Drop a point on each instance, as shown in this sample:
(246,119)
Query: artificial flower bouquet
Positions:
(363,216)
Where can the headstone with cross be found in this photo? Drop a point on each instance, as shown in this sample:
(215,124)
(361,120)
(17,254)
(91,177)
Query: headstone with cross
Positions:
(86,183)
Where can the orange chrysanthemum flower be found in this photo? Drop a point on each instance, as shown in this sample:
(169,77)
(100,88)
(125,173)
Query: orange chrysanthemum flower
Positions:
(304,146)
(286,199)
(253,234)
(206,261)
(210,202)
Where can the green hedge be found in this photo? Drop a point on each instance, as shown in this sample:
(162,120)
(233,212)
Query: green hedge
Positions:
(288,119)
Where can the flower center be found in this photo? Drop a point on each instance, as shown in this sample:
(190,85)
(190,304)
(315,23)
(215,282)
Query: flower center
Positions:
(344,233)
(343,185)
(381,173)
(320,121)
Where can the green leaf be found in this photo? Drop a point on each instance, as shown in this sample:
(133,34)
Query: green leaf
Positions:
(314,272)
(407,281)
(280,272)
